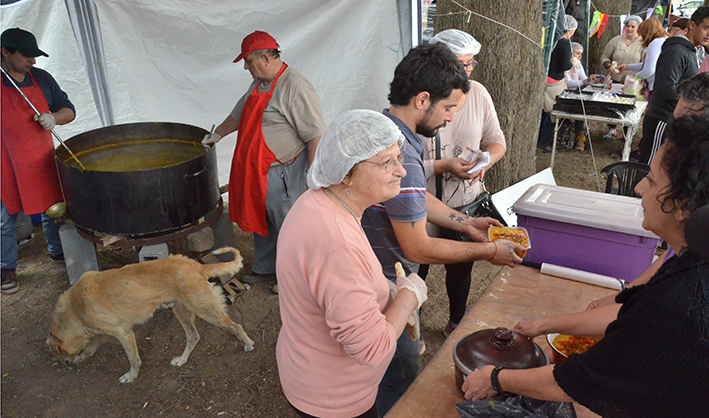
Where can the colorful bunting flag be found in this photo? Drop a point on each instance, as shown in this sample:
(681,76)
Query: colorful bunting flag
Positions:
(602,26)
(595,22)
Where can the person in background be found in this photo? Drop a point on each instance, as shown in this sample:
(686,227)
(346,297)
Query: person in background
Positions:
(679,27)
(678,61)
(30,183)
(428,84)
(625,48)
(559,64)
(340,325)
(693,97)
(653,37)
(279,124)
(575,79)
(657,343)
(704,67)
(474,126)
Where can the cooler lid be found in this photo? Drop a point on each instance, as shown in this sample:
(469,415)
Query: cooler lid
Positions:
(583,207)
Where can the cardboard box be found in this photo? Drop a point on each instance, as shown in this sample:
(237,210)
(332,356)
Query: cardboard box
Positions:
(596,232)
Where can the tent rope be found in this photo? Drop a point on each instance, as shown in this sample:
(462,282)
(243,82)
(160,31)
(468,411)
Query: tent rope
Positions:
(470,12)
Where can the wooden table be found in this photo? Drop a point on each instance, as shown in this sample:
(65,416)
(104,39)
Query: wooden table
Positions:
(514,295)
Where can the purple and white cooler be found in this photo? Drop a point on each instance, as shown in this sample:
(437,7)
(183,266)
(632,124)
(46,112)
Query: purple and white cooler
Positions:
(596,232)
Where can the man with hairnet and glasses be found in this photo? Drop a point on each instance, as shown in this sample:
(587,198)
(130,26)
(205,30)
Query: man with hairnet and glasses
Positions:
(428,84)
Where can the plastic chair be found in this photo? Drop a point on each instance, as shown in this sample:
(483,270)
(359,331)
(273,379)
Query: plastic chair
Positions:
(624,176)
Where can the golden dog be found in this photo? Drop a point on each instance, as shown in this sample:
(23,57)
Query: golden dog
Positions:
(111,302)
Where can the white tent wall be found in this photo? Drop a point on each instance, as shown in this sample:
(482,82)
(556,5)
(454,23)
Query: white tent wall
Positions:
(172,61)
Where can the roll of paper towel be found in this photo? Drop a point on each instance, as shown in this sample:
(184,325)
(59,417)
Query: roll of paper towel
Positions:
(582,276)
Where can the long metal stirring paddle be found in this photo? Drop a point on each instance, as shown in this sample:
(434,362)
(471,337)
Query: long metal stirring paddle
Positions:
(37,113)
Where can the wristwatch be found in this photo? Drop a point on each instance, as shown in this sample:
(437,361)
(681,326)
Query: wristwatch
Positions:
(494,381)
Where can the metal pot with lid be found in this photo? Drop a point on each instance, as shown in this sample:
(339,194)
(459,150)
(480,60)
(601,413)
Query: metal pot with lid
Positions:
(499,347)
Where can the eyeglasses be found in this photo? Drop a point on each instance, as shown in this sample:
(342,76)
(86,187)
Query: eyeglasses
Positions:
(470,65)
(390,163)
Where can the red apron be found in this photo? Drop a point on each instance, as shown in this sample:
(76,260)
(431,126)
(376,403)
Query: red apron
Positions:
(30,182)
(249,168)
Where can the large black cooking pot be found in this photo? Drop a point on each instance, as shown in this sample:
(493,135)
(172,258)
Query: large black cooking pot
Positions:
(140,178)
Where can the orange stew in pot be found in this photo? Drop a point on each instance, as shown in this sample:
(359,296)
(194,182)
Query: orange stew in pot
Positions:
(568,344)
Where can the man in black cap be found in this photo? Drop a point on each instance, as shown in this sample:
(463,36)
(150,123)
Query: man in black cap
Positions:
(29,180)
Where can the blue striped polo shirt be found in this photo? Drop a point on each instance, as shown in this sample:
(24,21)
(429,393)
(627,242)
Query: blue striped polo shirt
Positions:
(408,206)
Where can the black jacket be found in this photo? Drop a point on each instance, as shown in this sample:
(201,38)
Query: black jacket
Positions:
(677,62)
(560,59)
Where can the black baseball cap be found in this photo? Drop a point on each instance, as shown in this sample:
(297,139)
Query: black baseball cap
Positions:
(22,41)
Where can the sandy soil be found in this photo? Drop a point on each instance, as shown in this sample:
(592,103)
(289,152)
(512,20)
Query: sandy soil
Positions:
(220,379)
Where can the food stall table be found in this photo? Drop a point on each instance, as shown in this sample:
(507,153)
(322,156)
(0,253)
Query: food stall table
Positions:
(513,295)
(628,129)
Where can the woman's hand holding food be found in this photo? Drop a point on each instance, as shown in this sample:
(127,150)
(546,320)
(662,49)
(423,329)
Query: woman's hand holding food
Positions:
(415,285)
(477,385)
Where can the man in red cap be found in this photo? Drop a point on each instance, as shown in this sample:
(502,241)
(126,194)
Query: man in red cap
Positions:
(30,183)
(279,124)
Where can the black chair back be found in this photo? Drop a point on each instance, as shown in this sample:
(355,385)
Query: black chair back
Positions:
(624,176)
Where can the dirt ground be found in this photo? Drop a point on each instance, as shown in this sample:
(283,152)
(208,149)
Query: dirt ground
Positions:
(220,379)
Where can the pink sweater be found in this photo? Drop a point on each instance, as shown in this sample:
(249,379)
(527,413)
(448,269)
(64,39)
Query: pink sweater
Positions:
(335,344)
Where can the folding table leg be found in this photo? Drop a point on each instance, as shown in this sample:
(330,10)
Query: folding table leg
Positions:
(553,145)
(627,141)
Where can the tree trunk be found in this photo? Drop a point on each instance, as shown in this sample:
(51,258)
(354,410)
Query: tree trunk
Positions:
(511,68)
(613,8)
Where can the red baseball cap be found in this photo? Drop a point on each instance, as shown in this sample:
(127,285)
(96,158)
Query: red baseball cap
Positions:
(254,42)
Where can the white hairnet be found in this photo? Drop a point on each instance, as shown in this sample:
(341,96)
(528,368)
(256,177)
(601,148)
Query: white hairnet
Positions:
(459,42)
(570,22)
(575,47)
(354,136)
(637,19)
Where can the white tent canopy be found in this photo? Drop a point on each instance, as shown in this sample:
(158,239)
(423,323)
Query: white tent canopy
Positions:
(171,61)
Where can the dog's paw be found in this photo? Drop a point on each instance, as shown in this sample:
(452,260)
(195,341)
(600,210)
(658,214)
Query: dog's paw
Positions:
(127,378)
(80,358)
(249,347)
(178,361)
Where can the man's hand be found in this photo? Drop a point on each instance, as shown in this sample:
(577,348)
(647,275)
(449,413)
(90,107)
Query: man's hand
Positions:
(476,228)
(622,68)
(212,138)
(504,254)
(46,120)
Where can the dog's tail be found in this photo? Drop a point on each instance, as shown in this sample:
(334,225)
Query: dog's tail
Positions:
(228,268)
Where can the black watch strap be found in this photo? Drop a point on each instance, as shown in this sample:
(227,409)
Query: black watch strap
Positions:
(494,379)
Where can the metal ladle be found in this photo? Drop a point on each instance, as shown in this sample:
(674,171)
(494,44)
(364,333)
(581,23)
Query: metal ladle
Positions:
(37,113)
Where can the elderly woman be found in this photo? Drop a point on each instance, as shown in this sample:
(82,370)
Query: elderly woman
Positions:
(625,48)
(652,360)
(340,325)
(474,126)
(559,64)
(653,37)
